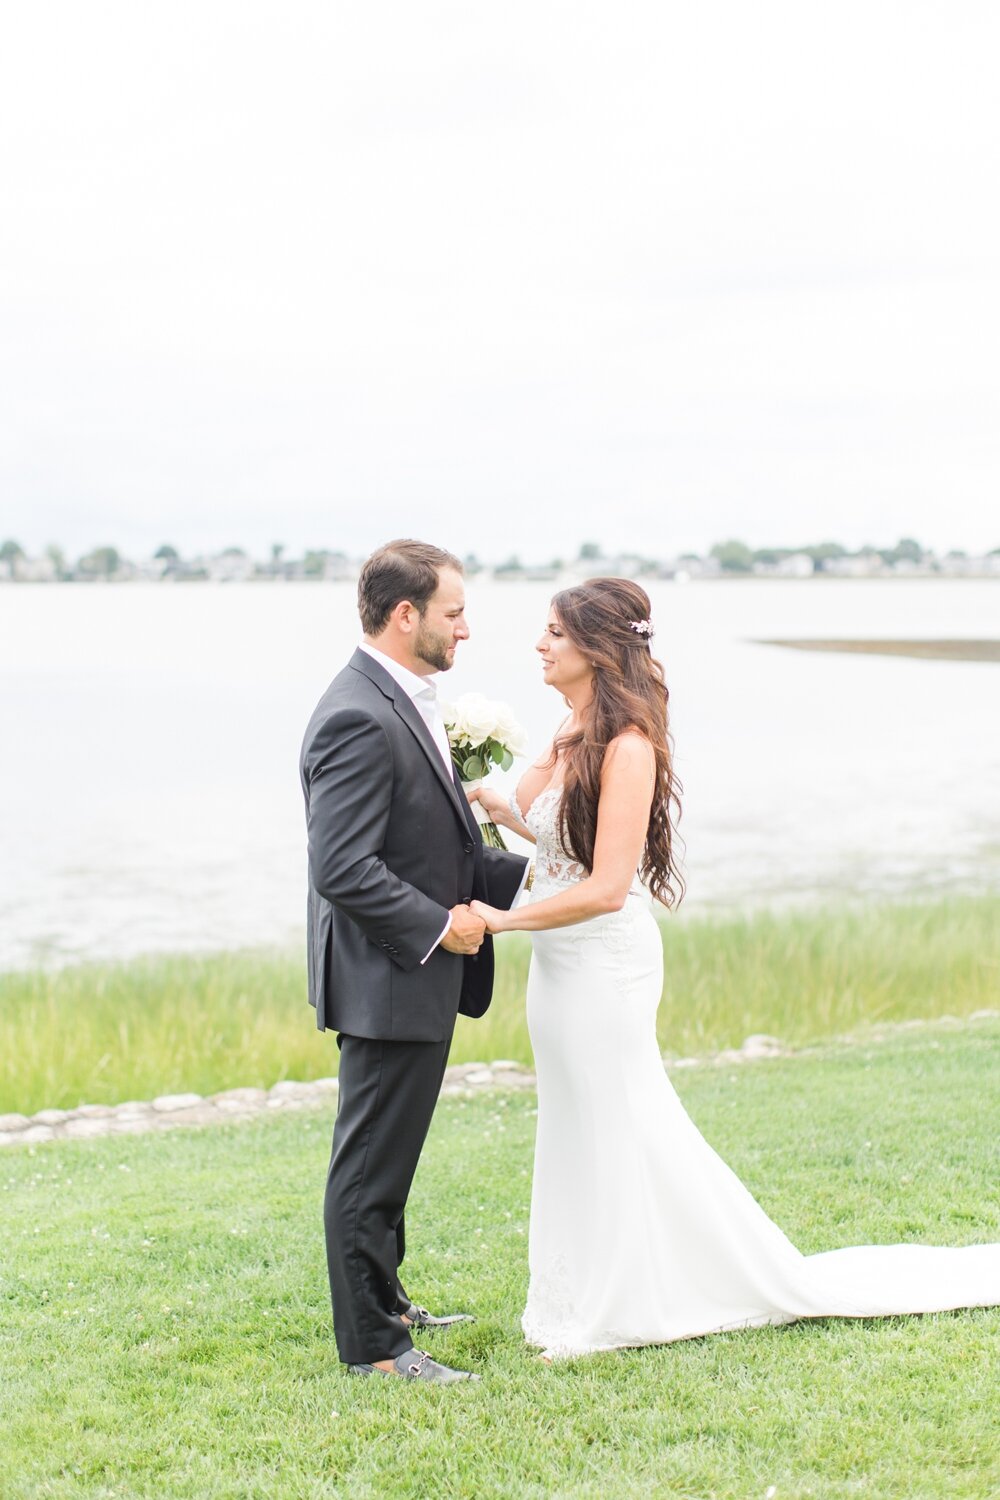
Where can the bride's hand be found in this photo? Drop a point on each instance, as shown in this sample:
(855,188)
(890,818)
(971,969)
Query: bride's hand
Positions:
(493,803)
(491,915)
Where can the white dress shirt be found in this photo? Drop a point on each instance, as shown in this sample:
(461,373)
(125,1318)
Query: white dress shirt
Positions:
(423,693)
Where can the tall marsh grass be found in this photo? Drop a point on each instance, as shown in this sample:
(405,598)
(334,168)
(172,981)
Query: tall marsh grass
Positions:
(102,1033)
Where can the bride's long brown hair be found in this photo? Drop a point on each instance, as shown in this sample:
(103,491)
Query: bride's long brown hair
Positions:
(629,693)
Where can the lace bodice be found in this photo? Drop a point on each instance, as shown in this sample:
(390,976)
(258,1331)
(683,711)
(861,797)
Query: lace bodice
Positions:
(553,866)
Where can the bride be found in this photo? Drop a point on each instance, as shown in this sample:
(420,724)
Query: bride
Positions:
(640,1234)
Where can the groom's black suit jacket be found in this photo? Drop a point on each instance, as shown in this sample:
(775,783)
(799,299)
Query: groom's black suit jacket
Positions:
(393,845)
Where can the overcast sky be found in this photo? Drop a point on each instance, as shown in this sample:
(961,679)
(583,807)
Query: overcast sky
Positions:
(507,277)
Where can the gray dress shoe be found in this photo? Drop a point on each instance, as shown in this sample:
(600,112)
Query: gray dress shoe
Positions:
(419,1317)
(413,1365)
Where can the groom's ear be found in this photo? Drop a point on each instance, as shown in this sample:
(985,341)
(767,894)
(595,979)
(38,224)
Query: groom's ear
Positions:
(406,616)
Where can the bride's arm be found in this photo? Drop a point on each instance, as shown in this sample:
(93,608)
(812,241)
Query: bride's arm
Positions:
(498,809)
(627,781)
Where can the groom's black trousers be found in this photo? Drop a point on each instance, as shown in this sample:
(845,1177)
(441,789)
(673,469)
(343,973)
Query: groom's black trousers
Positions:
(388,1091)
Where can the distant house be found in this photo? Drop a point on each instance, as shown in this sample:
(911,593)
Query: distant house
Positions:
(794,565)
(518,573)
(339,569)
(958,565)
(687,569)
(154,569)
(231,566)
(859,565)
(34,570)
(625,565)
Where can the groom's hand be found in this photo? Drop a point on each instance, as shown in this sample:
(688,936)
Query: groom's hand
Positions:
(494,918)
(465,935)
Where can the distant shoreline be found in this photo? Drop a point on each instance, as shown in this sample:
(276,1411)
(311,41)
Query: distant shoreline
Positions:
(934,650)
(566,578)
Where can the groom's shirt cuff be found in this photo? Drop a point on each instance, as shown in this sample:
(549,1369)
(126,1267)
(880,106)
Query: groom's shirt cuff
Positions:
(444,933)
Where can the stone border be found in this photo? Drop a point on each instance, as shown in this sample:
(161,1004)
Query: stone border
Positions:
(136,1117)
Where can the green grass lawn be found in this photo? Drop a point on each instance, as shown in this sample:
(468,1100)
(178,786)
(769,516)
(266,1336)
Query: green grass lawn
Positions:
(165,1327)
(103,1033)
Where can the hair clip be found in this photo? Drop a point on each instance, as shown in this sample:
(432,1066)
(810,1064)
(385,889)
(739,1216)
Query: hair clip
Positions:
(641,627)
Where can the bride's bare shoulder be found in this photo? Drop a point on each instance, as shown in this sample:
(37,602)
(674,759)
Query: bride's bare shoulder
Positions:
(630,748)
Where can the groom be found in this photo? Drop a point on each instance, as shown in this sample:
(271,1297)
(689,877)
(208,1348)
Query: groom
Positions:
(395,857)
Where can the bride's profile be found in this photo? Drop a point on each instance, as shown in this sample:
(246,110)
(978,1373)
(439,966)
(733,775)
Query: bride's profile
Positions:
(639,1232)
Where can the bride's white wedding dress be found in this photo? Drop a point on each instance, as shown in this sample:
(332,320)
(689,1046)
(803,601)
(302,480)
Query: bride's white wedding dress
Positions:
(640,1234)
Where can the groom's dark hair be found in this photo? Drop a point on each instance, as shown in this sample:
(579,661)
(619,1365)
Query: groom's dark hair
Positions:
(400,570)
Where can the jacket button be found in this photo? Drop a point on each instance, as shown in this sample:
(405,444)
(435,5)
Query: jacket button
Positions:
(469,848)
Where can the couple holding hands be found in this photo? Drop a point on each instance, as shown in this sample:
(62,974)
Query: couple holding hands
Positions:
(639,1232)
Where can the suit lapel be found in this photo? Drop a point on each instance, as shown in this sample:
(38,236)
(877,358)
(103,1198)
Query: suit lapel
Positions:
(412,718)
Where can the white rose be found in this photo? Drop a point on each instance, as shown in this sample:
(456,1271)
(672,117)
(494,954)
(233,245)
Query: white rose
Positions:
(477,716)
(508,731)
(458,731)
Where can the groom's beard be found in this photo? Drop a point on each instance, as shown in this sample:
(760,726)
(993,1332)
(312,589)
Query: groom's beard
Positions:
(433,648)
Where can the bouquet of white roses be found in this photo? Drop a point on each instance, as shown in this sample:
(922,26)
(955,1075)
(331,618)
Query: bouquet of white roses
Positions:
(482,734)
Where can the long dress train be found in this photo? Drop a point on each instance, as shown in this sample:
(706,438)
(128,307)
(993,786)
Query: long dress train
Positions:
(640,1233)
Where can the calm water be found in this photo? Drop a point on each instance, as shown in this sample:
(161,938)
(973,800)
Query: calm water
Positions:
(149,796)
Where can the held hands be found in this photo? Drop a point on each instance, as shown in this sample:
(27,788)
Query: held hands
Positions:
(465,935)
(494,918)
